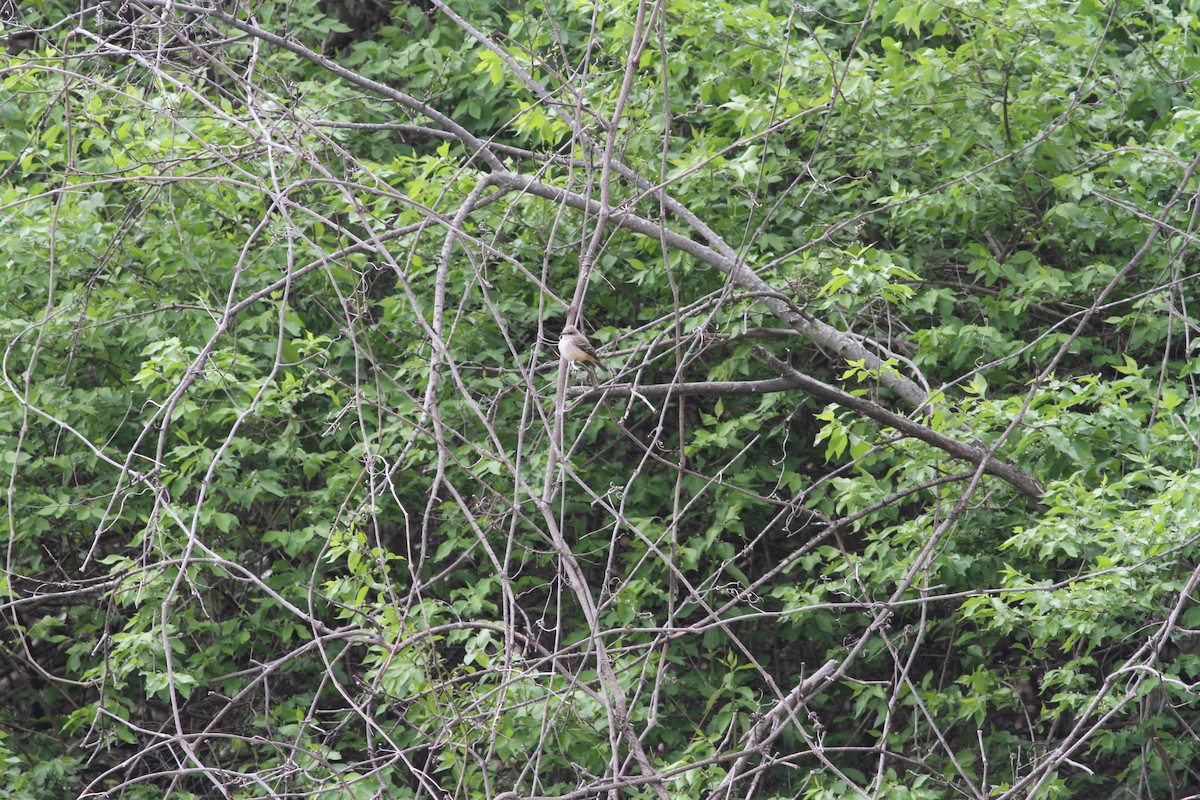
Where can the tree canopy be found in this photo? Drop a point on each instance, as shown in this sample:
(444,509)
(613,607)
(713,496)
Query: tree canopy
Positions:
(890,488)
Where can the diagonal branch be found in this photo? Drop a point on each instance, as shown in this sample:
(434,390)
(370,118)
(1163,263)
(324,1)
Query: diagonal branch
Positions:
(1024,483)
(773,723)
(791,379)
(849,347)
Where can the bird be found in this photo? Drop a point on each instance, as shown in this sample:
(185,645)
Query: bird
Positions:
(574,347)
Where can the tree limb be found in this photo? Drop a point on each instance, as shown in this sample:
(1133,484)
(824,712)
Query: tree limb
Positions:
(1024,483)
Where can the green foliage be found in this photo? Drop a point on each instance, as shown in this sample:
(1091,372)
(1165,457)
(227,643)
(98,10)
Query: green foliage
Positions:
(287,513)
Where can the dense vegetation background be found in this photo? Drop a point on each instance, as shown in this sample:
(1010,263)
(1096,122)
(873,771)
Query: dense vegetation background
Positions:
(892,491)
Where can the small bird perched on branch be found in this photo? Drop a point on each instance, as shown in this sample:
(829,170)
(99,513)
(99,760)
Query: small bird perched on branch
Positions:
(574,347)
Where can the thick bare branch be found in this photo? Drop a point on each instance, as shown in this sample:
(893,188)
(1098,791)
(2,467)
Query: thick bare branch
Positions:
(1024,483)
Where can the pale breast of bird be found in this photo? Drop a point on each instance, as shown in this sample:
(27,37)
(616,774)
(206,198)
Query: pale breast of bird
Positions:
(572,352)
